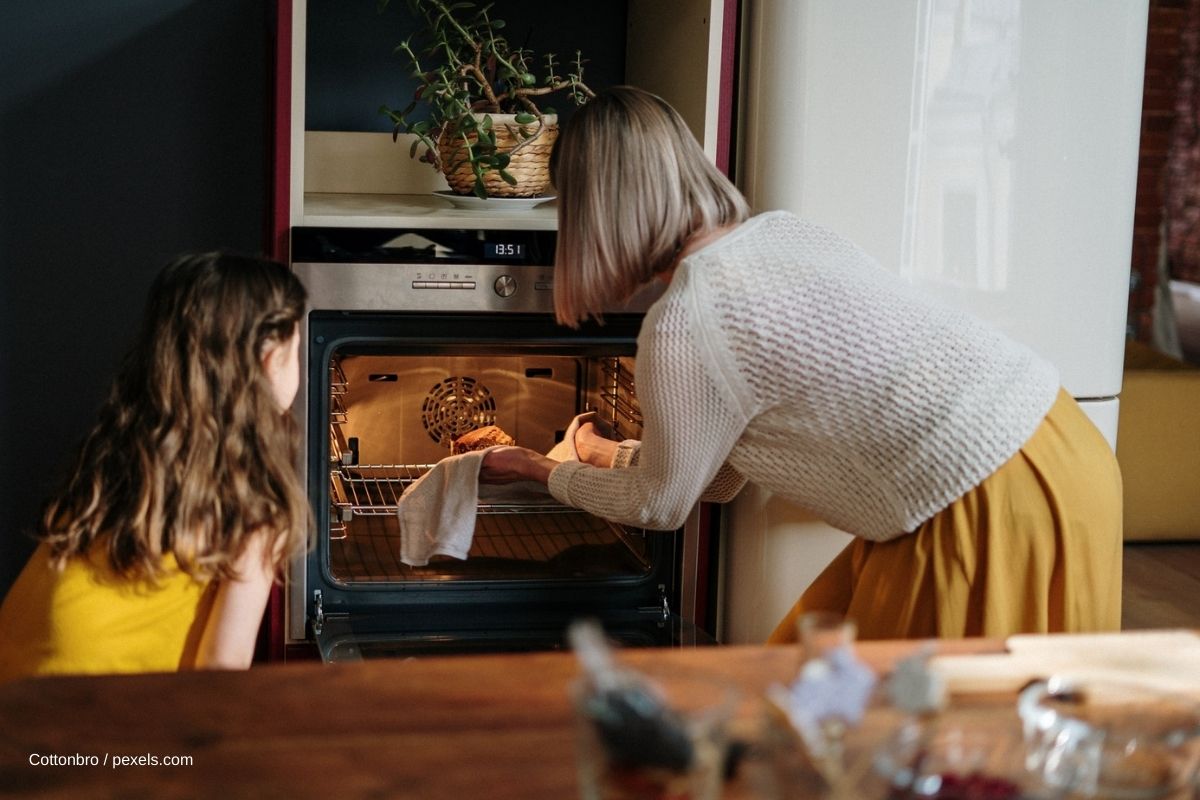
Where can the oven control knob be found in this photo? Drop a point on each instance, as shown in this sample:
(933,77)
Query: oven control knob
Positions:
(506,285)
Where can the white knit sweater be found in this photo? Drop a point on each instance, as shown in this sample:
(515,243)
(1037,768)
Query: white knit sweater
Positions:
(788,356)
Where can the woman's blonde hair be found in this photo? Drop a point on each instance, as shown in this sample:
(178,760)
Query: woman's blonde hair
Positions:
(190,453)
(633,186)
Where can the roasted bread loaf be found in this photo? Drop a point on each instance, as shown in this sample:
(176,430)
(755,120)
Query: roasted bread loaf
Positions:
(480,439)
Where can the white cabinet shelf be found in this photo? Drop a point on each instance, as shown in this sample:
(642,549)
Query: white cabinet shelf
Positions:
(349,210)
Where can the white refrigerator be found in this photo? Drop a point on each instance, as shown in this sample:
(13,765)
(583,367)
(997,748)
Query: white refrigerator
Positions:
(985,150)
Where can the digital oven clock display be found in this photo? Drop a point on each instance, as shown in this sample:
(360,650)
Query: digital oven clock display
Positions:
(504,250)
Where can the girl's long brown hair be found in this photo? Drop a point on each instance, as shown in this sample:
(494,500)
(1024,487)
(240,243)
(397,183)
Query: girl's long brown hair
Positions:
(190,454)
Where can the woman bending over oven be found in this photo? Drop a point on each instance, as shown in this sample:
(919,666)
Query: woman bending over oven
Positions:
(982,500)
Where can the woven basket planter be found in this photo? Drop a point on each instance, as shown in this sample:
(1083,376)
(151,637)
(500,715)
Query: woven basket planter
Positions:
(530,163)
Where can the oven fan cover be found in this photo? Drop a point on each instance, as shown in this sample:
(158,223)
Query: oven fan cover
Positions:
(456,406)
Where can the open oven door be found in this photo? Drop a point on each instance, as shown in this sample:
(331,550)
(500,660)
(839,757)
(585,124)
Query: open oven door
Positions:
(355,637)
(458,611)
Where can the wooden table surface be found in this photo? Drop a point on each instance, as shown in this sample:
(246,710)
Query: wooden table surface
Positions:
(496,726)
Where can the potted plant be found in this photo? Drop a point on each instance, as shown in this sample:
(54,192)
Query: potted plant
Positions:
(486,130)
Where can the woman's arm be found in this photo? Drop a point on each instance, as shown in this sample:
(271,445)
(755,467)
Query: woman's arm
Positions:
(725,486)
(232,627)
(600,451)
(692,419)
(691,423)
(508,464)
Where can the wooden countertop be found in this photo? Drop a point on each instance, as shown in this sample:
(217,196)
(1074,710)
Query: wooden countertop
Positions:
(496,726)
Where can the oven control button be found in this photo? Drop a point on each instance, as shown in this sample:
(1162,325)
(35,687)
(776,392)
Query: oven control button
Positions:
(506,285)
(543,286)
(420,284)
(442,285)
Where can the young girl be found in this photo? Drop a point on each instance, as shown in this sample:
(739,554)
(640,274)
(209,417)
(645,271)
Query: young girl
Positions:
(983,500)
(159,550)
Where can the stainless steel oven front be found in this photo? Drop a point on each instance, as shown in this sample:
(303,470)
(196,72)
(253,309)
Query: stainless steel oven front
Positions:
(412,338)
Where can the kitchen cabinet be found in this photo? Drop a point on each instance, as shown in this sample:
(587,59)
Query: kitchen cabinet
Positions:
(681,49)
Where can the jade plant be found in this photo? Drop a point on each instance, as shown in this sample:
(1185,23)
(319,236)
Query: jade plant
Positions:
(466,72)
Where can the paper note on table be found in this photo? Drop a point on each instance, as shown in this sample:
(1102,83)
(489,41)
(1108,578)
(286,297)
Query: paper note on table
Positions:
(1168,660)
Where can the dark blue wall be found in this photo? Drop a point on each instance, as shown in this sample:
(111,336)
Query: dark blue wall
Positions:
(130,131)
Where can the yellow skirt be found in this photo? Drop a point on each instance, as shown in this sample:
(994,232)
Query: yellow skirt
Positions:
(1035,548)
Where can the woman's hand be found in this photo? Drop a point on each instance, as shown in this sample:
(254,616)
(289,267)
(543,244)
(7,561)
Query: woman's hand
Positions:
(593,448)
(510,464)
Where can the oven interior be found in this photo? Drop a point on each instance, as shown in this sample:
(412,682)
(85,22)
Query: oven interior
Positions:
(391,392)
(393,416)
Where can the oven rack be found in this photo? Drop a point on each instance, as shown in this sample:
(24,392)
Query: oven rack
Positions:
(364,490)
(618,394)
(338,387)
(533,546)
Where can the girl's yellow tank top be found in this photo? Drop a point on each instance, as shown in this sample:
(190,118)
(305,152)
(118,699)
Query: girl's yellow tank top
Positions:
(86,620)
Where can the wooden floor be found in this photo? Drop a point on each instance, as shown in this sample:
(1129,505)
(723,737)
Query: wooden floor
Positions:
(1161,587)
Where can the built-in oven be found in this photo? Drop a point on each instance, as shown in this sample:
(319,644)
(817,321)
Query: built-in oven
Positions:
(414,337)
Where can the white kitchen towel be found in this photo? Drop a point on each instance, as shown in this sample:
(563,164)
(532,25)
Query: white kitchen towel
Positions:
(565,450)
(437,511)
